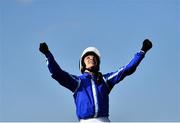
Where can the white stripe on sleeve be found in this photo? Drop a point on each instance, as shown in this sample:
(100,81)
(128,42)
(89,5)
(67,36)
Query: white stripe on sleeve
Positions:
(115,74)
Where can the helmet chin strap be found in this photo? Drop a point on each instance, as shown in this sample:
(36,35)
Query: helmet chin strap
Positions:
(93,69)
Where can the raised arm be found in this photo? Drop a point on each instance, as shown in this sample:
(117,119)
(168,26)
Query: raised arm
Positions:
(65,79)
(132,65)
(115,77)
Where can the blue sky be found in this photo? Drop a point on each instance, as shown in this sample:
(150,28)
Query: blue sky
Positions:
(117,28)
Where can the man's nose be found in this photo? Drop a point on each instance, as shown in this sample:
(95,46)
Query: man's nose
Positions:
(92,57)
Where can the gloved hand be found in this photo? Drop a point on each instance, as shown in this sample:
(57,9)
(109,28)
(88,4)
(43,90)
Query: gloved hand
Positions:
(147,45)
(43,48)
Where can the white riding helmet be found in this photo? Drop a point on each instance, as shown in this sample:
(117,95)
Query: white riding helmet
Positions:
(87,51)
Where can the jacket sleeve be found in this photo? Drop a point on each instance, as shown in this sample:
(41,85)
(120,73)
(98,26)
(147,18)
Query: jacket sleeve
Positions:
(115,77)
(65,79)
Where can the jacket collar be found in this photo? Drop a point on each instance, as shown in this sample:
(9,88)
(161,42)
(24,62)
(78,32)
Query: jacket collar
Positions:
(87,75)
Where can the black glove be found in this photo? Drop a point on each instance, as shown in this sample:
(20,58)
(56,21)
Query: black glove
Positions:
(147,45)
(43,48)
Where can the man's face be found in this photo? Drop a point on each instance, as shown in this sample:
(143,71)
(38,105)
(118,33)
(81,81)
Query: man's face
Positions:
(90,61)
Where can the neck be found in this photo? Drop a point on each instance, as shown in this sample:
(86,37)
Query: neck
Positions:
(91,73)
(93,70)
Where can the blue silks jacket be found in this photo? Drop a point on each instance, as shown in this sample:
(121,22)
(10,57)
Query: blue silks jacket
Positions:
(91,98)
